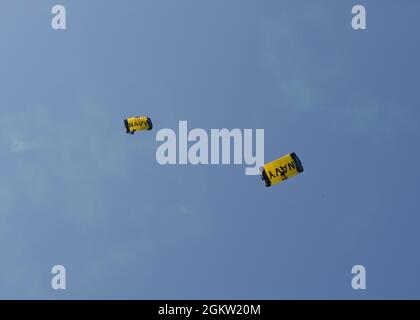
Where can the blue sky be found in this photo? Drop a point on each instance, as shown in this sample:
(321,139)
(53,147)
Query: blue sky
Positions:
(77,191)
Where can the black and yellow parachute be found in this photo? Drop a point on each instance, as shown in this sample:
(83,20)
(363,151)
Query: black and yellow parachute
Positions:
(137,124)
(281,169)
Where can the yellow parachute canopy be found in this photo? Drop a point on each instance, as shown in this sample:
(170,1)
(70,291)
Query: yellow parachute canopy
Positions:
(281,169)
(137,124)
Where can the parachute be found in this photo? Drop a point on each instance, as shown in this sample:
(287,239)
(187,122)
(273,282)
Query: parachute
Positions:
(281,169)
(137,124)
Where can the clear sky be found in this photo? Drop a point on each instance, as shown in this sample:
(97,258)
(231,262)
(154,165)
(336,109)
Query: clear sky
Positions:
(76,190)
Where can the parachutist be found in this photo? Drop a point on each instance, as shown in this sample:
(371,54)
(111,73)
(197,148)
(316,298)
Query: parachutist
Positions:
(137,124)
(281,169)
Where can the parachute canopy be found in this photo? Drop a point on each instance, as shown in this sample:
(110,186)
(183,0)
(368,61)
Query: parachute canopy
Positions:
(281,169)
(137,124)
